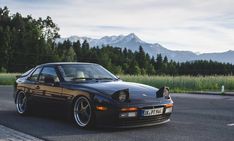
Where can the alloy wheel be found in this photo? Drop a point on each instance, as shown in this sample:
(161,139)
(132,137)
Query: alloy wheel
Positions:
(82,111)
(21,103)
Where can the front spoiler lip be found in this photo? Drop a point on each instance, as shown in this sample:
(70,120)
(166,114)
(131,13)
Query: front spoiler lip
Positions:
(135,126)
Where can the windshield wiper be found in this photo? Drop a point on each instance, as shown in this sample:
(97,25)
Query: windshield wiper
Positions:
(88,78)
(82,78)
(104,78)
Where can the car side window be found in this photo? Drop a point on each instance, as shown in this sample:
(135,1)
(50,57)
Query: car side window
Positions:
(35,74)
(48,72)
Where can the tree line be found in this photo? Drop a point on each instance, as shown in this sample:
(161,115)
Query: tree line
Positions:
(26,42)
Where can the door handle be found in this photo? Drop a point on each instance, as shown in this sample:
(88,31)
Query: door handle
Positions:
(37,87)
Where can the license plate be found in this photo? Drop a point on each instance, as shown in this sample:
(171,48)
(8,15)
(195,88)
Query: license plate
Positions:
(152,112)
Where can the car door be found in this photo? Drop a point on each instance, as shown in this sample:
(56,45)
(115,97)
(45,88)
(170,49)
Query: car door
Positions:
(32,82)
(50,90)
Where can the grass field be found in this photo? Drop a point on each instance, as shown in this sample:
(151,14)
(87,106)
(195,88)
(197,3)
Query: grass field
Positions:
(7,78)
(176,84)
(185,83)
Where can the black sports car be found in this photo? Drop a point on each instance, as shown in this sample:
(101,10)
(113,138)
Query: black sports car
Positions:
(92,95)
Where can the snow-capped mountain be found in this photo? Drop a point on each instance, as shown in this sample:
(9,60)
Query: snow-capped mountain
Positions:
(132,42)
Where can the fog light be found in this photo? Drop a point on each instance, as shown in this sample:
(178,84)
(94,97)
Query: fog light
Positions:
(168,110)
(127,114)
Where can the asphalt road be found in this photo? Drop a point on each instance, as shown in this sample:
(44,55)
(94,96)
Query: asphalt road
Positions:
(195,118)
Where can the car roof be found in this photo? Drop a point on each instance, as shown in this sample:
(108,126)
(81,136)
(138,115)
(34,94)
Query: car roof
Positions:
(65,63)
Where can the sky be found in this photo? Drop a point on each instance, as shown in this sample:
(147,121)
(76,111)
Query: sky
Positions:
(193,25)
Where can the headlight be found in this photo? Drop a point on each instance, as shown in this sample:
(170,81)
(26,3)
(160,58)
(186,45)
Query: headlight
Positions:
(121,96)
(166,92)
(163,92)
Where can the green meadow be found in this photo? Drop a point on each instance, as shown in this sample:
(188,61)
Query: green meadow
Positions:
(185,83)
(8,78)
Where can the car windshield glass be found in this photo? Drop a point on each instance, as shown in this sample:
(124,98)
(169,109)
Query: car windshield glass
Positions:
(85,72)
(26,73)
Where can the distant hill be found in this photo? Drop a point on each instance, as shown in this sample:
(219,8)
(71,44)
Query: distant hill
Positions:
(131,41)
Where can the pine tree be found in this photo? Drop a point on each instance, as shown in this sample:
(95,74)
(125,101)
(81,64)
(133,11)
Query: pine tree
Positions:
(77,49)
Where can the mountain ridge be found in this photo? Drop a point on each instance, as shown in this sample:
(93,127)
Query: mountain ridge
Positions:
(132,42)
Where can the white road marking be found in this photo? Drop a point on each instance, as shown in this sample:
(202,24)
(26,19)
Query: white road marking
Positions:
(230,124)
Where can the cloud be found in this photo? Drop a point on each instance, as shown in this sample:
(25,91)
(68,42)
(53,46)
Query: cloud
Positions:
(196,25)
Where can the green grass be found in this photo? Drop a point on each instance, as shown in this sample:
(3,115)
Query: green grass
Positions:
(176,84)
(185,83)
(8,78)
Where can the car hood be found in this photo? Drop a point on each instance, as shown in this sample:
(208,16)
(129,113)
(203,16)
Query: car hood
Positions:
(136,91)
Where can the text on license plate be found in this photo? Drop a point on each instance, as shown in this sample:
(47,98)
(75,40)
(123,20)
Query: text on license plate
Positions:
(152,112)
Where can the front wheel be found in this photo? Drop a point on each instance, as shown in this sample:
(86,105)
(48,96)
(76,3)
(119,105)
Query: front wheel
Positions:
(83,113)
(21,102)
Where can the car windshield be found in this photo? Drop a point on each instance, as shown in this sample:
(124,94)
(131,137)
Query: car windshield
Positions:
(27,72)
(85,72)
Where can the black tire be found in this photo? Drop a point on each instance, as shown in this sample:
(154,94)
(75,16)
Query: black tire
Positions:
(21,102)
(80,117)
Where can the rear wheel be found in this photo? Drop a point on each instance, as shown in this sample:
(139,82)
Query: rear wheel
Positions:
(83,113)
(21,102)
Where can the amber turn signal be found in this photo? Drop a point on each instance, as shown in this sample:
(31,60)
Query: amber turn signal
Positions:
(129,109)
(168,105)
(101,108)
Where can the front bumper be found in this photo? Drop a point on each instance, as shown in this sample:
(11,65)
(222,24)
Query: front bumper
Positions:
(142,121)
(111,118)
